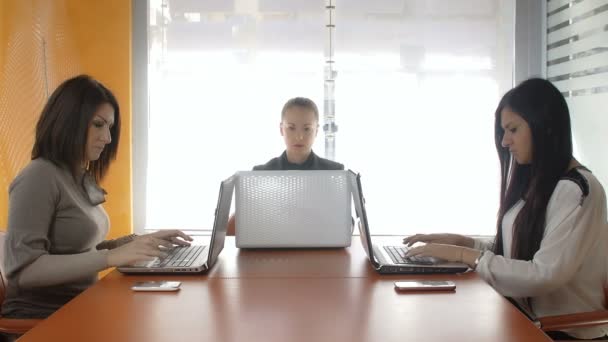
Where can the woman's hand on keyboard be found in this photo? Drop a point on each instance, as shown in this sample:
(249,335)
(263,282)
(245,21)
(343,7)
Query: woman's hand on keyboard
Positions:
(445,239)
(174,236)
(446,252)
(144,248)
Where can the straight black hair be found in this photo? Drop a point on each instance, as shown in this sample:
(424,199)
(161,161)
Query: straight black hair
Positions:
(61,132)
(545,111)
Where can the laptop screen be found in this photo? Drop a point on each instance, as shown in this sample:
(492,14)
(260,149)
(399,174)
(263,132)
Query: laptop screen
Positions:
(220,225)
(359,201)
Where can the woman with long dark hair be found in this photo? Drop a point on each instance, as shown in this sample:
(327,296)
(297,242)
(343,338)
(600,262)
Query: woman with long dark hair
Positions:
(56,222)
(550,252)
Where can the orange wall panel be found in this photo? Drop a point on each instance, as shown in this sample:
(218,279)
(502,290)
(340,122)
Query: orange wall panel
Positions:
(2,38)
(43,43)
(102,32)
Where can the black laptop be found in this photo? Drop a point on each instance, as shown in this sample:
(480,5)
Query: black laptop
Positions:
(391,259)
(196,258)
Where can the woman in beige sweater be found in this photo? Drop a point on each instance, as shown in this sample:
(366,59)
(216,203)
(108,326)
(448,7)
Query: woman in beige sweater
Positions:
(56,222)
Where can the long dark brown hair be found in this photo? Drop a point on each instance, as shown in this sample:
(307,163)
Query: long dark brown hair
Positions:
(545,111)
(61,132)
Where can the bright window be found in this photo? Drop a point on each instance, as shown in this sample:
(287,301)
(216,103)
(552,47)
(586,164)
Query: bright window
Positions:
(416,87)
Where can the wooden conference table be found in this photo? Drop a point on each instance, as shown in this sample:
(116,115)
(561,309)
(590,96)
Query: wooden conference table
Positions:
(287,295)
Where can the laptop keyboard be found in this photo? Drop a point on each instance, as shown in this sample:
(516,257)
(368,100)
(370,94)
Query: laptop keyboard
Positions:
(179,257)
(397,253)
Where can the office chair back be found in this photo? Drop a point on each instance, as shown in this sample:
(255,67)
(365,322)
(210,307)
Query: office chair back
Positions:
(2,277)
(11,325)
(576,320)
(231,226)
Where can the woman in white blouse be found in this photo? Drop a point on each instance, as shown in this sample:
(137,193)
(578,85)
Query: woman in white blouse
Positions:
(550,252)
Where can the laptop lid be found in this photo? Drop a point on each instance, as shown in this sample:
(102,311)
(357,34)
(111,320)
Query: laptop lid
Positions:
(220,224)
(293,209)
(359,200)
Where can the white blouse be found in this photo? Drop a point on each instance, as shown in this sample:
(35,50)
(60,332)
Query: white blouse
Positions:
(570,270)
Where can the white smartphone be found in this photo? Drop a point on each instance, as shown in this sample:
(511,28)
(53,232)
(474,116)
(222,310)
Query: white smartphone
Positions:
(425,285)
(156,286)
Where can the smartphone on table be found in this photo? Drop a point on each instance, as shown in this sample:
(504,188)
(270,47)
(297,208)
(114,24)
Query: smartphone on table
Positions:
(425,285)
(156,286)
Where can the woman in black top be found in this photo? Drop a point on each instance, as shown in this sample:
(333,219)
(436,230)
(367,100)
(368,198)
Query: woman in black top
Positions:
(299,127)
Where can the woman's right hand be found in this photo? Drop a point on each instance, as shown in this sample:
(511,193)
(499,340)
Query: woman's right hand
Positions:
(445,239)
(144,248)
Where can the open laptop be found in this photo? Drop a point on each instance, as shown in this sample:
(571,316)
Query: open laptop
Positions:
(195,258)
(293,209)
(390,259)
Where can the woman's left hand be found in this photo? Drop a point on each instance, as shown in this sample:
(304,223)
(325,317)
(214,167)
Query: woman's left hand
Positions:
(446,252)
(175,236)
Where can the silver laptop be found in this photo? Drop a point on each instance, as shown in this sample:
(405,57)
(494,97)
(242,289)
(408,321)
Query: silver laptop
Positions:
(293,209)
(390,259)
(195,258)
